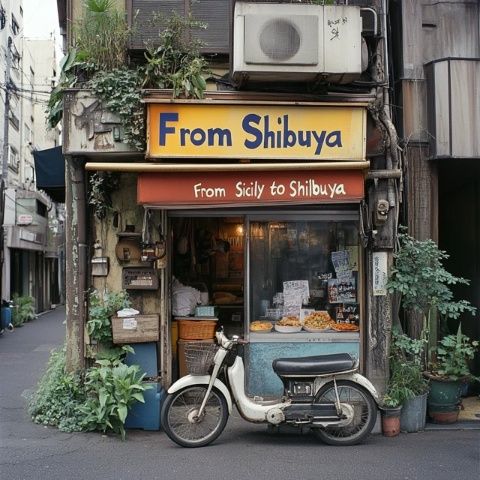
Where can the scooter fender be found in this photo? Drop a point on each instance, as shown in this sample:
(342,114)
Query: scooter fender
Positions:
(190,380)
(364,382)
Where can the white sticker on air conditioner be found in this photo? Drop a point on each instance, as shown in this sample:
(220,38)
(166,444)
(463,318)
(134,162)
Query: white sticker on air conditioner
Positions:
(129,324)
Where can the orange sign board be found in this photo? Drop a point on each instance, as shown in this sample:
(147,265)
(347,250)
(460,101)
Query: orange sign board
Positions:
(283,132)
(249,188)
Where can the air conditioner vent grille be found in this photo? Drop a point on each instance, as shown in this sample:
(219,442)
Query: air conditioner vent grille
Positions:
(279,40)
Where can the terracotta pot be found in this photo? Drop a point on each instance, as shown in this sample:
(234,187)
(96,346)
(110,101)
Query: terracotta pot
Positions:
(445,417)
(391,421)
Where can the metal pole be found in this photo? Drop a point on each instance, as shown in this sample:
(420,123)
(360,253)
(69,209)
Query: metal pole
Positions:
(6,113)
(5,159)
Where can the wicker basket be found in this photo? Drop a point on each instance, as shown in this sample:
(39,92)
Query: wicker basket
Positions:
(196,329)
(199,357)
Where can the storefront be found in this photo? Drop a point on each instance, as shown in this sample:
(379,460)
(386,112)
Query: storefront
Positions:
(269,229)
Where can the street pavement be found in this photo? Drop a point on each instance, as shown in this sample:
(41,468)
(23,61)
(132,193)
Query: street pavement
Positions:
(243,451)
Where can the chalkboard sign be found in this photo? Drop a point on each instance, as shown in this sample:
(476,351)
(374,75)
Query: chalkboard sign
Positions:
(139,279)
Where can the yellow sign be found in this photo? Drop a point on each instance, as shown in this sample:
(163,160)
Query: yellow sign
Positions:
(284,132)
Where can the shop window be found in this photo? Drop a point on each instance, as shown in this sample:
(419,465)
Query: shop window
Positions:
(13,158)
(298,267)
(14,121)
(41,209)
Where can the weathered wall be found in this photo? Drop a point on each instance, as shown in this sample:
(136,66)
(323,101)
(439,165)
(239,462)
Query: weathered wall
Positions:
(124,202)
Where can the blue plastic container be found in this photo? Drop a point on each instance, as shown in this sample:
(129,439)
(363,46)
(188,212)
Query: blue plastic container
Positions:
(145,356)
(146,415)
(6,317)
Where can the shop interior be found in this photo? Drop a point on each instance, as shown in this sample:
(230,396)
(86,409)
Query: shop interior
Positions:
(254,275)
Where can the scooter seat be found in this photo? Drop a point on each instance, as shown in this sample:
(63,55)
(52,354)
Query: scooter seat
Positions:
(312,366)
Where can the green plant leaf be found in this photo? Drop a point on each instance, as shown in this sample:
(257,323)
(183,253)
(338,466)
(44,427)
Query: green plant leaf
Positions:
(122,413)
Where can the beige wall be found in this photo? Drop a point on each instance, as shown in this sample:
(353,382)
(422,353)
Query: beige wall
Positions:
(124,201)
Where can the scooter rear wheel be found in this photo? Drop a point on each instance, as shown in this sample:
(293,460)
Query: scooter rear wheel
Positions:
(365,413)
(180,420)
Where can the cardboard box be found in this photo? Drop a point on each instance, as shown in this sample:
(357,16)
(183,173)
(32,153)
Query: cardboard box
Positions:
(136,329)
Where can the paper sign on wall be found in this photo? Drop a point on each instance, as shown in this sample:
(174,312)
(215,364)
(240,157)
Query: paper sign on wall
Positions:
(380,273)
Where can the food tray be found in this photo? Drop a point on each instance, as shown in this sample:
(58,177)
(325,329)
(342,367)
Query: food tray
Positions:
(351,327)
(266,330)
(288,328)
(316,330)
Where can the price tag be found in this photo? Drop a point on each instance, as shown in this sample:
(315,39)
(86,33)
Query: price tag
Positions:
(129,324)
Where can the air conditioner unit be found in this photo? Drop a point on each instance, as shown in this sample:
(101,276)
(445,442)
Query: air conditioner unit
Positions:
(296,42)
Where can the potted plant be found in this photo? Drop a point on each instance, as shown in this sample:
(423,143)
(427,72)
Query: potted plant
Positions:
(390,410)
(405,382)
(406,355)
(424,286)
(447,375)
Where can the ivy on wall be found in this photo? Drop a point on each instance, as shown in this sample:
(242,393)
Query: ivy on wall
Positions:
(99,61)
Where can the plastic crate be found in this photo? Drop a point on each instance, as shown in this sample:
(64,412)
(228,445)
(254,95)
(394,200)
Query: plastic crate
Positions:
(145,357)
(146,416)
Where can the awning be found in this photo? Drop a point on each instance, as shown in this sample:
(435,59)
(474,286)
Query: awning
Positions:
(50,172)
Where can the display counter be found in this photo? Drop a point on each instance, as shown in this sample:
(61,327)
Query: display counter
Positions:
(303,337)
(263,348)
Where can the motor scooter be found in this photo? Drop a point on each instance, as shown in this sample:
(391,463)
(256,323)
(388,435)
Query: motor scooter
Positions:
(325,393)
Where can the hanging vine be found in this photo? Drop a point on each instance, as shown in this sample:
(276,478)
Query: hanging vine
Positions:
(101,187)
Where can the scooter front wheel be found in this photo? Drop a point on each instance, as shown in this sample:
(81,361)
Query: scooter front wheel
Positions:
(181,421)
(364,413)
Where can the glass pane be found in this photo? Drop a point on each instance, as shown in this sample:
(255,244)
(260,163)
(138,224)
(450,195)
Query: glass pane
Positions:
(317,259)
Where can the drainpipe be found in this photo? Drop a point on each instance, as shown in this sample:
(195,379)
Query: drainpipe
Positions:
(76,256)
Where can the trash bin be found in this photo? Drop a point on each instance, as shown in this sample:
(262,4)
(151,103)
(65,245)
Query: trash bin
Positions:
(6,316)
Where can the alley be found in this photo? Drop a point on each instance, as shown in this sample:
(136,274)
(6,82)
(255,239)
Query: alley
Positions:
(34,452)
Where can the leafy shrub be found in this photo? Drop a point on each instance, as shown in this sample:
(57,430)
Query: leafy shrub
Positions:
(23,309)
(58,397)
(101,310)
(100,401)
(112,387)
(453,354)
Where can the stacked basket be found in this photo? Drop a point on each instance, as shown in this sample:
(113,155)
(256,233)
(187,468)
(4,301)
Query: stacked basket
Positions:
(195,341)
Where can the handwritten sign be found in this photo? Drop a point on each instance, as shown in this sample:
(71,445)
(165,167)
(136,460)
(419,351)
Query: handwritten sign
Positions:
(207,188)
(342,290)
(380,273)
(295,294)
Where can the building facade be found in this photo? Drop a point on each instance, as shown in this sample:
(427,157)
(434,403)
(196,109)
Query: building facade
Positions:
(30,258)
(436,67)
(290,165)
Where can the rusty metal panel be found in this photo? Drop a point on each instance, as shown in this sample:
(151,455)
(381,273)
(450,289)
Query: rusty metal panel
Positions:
(450,29)
(88,128)
(442,109)
(465,108)
(456,108)
(415,116)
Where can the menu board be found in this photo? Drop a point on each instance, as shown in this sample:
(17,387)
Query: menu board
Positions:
(295,294)
(342,290)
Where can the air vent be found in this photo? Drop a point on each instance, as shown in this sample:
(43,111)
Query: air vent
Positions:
(287,40)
